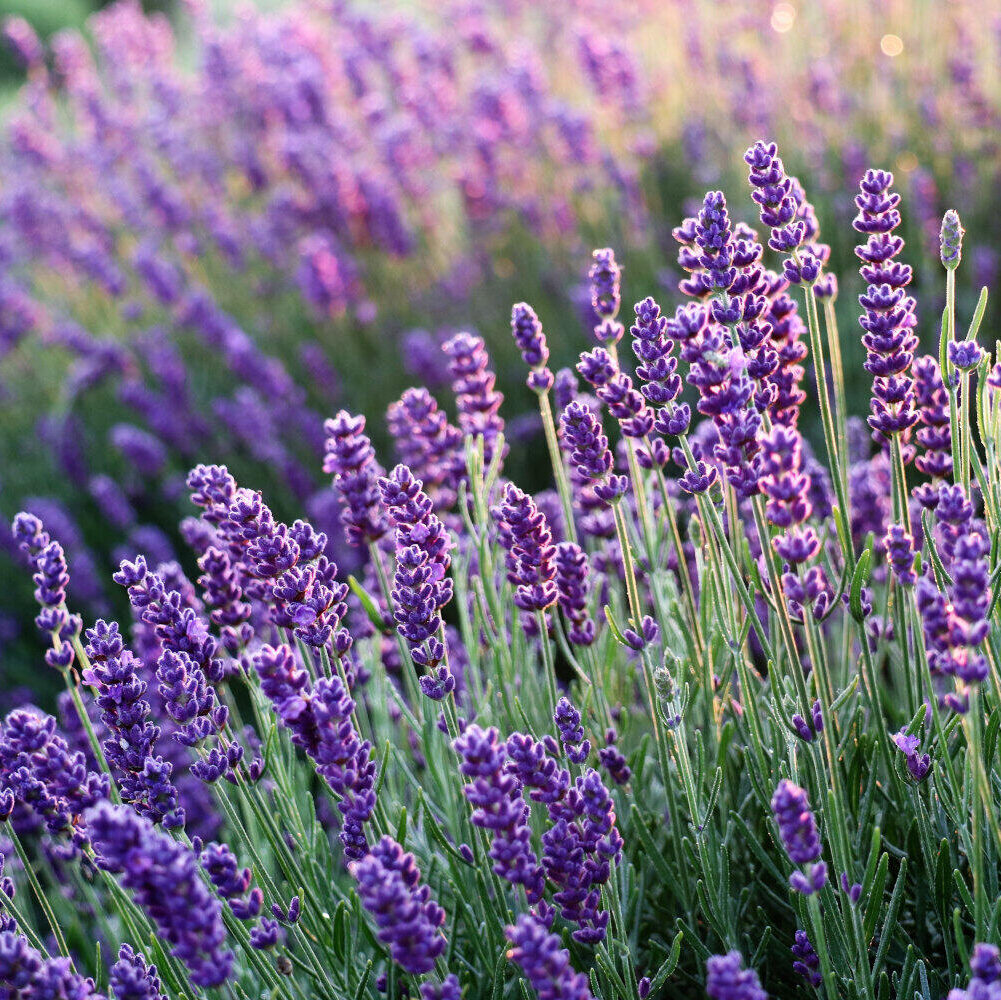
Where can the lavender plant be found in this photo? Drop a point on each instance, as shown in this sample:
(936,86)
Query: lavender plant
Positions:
(717,716)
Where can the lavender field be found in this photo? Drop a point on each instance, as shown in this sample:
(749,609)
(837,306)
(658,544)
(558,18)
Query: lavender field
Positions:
(501,500)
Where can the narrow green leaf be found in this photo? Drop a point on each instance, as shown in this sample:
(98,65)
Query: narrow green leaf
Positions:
(369,604)
(669,965)
(860,577)
(890,922)
(978,315)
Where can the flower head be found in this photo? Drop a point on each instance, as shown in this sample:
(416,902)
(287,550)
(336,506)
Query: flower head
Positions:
(727,979)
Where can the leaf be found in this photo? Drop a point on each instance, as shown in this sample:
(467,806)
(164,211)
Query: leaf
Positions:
(669,964)
(860,577)
(615,628)
(875,897)
(369,604)
(842,699)
(498,988)
(978,315)
(943,874)
(964,892)
(759,952)
(941,576)
(639,827)
(991,740)
(363,982)
(713,794)
(890,922)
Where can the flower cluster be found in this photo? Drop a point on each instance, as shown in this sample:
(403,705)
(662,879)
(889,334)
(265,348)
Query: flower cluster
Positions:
(163,878)
(798,831)
(408,920)
(888,319)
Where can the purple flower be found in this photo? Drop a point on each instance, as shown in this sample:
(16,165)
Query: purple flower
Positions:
(604,276)
(727,979)
(808,731)
(408,921)
(965,354)
(773,191)
(657,370)
(50,574)
(320,724)
(420,587)
(787,487)
(572,585)
(411,512)
(265,935)
(698,479)
(39,771)
(900,554)
(290,916)
(143,450)
(934,435)
(649,632)
(448,989)
(350,458)
(498,807)
(473,383)
(174,623)
(528,550)
(786,329)
(188,698)
(20,964)
(951,240)
(231,882)
(543,962)
(613,760)
(888,320)
(713,237)
(21,39)
(223,595)
(527,332)
(985,964)
(590,453)
(25,973)
(162,876)
(567,720)
(955,622)
(798,830)
(144,777)
(132,979)
(917,763)
(806,961)
(428,444)
(582,843)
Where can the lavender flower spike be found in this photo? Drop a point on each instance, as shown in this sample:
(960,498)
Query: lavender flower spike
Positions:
(531,341)
(132,979)
(606,297)
(951,240)
(350,458)
(408,920)
(163,877)
(798,830)
(589,451)
(544,963)
(473,383)
(727,979)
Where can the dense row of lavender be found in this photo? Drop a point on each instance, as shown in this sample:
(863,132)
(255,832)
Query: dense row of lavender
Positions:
(716,713)
(207,240)
(196,259)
